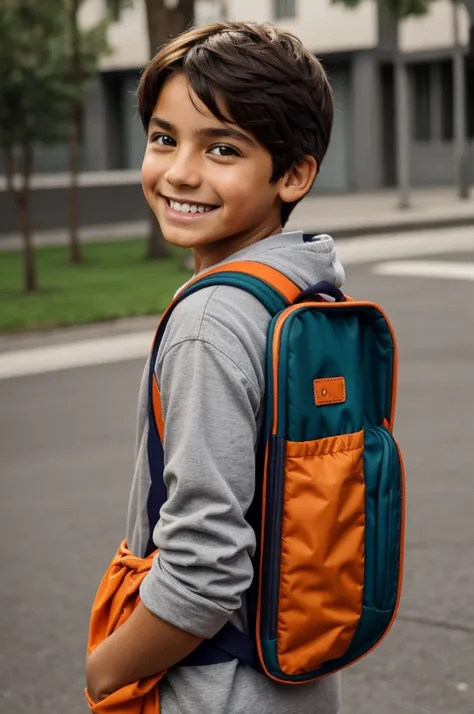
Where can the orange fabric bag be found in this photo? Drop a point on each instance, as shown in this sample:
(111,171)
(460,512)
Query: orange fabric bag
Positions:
(116,598)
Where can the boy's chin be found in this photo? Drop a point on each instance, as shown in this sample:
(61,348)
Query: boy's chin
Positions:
(178,239)
(188,239)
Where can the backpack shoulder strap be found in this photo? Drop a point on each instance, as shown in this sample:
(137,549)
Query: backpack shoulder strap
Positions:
(245,274)
(274,290)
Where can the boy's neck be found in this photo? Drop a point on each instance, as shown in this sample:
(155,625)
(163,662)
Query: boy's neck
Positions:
(207,256)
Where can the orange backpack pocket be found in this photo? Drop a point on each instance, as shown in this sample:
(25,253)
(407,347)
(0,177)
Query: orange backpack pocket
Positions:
(322,550)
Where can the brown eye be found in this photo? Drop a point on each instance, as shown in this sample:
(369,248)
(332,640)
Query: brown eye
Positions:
(163,140)
(224,151)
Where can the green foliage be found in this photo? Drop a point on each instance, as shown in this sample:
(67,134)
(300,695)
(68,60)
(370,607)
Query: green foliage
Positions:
(35,94)
(399,9)
(37,82)
(114,281)
(93,45)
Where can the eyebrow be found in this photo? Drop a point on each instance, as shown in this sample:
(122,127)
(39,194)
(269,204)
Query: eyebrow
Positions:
(209,132)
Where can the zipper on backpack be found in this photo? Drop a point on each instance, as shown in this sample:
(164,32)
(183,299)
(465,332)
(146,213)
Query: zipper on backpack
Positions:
(273,538)
(275,469)
(275,488)
(383,517)
(395,464)
(387,440)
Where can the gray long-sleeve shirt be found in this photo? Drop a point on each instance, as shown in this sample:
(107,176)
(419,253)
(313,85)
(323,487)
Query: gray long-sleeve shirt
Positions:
(210,371)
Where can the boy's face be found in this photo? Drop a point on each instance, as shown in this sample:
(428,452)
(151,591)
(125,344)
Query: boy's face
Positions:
(208,183)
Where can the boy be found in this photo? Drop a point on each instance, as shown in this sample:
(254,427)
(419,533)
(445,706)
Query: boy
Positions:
(238,119)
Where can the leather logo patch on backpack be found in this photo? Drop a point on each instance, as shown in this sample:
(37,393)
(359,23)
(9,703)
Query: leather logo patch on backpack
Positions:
(329,391)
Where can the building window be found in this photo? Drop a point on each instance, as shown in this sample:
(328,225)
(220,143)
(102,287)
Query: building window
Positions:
(447,99)
(470,93)
(284,9)
(422,102)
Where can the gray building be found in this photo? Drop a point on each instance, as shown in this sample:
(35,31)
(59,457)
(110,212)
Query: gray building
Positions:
(357,48)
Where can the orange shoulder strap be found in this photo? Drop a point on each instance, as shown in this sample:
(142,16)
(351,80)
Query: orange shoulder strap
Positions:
(269,275)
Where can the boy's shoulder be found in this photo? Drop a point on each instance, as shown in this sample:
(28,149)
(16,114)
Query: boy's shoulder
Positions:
(229,318)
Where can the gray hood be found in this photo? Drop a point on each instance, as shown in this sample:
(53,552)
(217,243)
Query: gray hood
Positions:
(304,261)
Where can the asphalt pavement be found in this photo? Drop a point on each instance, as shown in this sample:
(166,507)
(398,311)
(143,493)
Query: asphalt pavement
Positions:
(67,448)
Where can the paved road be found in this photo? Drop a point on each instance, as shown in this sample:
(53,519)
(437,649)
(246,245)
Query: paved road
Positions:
(66,458)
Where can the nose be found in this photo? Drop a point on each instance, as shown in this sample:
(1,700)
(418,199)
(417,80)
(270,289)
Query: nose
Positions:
(183,170)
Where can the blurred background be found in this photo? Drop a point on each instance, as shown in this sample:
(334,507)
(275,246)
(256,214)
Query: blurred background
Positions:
(84,274)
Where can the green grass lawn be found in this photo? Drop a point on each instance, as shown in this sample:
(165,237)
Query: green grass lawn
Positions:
(114,281)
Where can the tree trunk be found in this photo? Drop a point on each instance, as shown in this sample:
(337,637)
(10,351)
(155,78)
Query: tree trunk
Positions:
(402,108)
(157,247)
(9,169)
(223,11)
(166,19)
(75,253)
(21,196)
(23,199)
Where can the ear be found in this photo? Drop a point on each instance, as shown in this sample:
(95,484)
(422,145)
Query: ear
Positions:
(298,180)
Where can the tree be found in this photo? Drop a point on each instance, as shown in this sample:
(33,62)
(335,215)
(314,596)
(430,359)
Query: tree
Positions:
(87,46)
(36,95)
(166,19)
(400,10)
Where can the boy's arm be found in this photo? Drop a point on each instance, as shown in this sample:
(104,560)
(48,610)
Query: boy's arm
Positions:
(144,645)
(204,565)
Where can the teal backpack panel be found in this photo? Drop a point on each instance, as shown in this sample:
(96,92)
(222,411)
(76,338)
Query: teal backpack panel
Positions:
(353,341)
(309,342)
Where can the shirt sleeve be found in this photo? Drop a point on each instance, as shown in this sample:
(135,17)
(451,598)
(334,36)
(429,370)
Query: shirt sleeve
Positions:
(210,406)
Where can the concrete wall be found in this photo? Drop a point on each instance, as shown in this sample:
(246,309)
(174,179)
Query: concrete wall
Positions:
(335,170)
(355,159)
(95,138)
(323,26)
(432,163)
(133,133)
(128,38)
(366,123)
(99,204)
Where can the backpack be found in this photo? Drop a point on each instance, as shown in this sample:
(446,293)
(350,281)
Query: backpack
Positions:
(329,506)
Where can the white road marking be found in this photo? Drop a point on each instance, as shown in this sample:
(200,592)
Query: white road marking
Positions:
(136,345)
(85,353)
(406,245)
(426,269)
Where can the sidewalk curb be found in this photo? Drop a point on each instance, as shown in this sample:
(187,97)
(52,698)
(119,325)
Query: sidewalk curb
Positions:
(134,230)
(405,227)
(41,337)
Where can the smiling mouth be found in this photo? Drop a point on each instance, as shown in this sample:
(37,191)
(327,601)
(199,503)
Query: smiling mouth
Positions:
(185,206)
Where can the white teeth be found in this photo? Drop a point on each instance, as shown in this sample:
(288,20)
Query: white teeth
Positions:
(188,208)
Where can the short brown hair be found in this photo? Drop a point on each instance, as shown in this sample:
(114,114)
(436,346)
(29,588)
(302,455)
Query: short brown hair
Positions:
(270,84)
